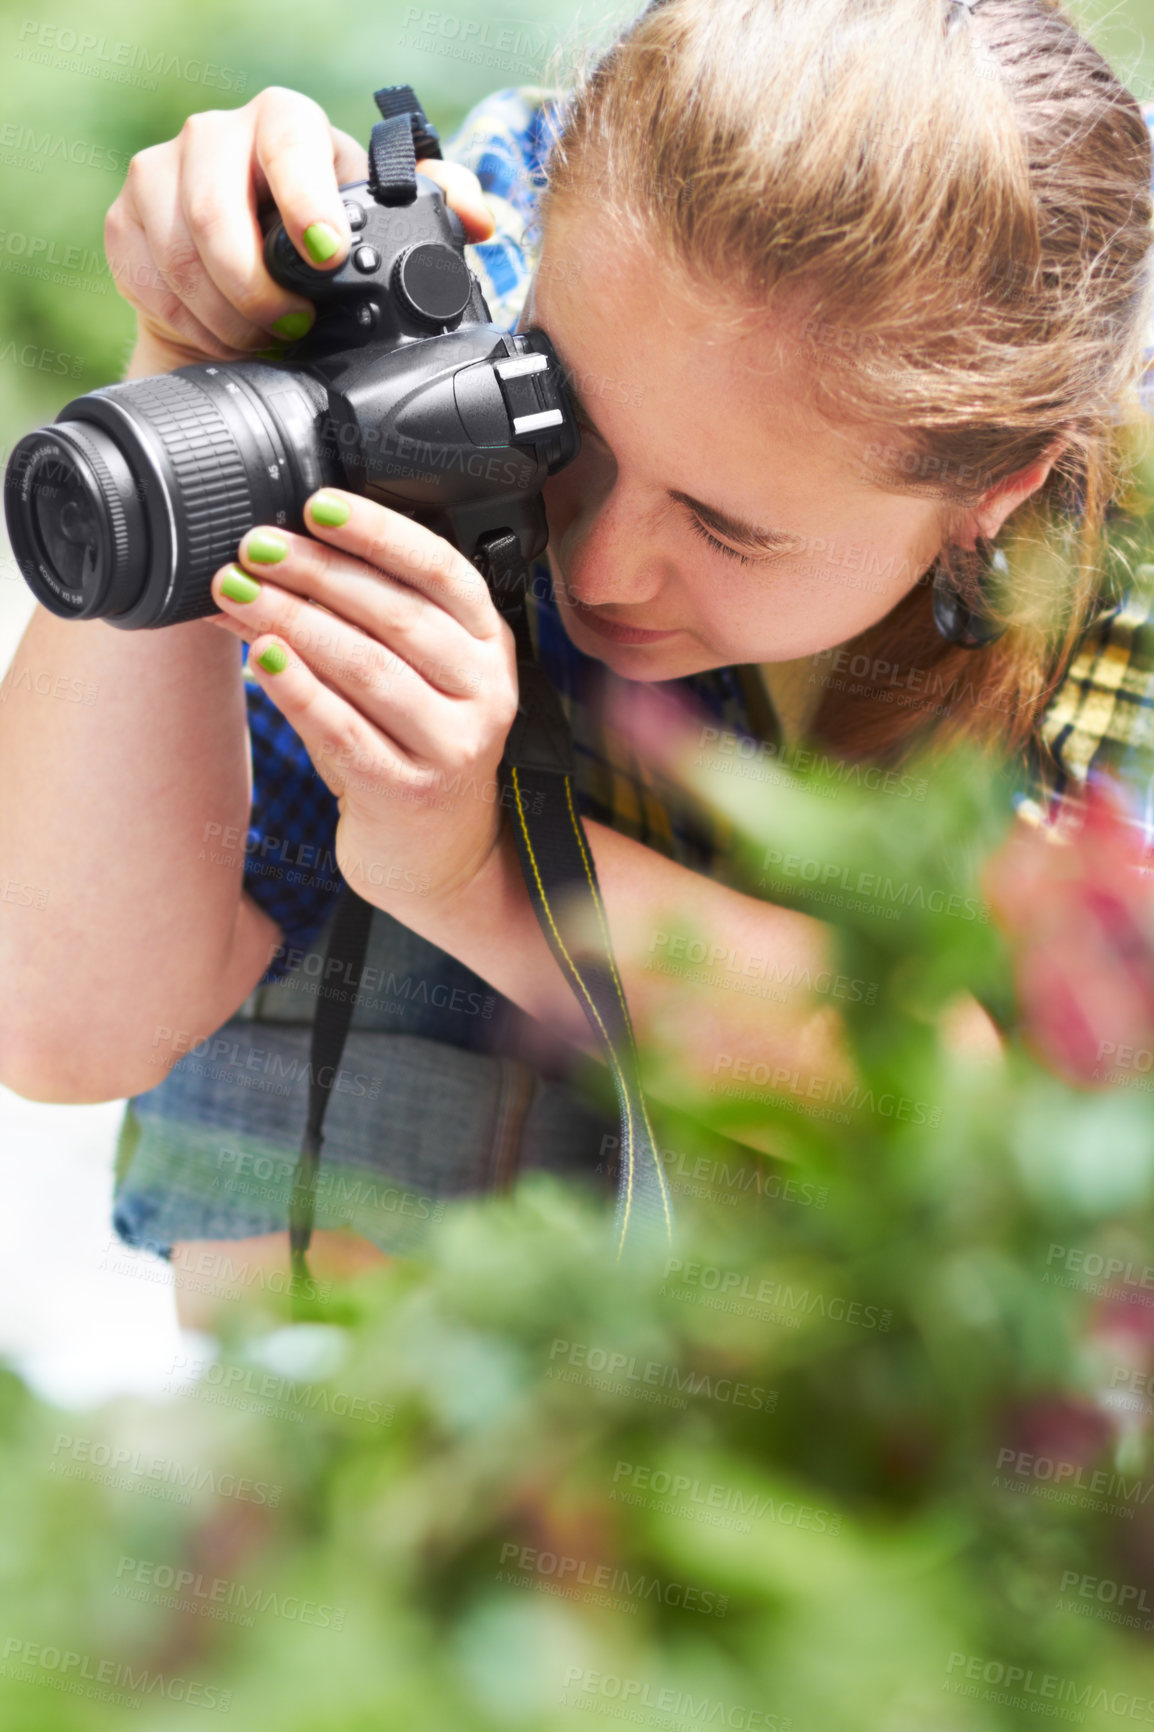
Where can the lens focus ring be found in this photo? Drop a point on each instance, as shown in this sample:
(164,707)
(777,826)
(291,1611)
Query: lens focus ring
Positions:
(212,493)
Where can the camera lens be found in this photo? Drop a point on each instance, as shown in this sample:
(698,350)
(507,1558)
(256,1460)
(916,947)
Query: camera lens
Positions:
(66,527)
(72,542)
(125,507)
(75,521)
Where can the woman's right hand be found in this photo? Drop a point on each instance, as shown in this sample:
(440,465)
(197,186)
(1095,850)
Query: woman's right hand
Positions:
(183,238)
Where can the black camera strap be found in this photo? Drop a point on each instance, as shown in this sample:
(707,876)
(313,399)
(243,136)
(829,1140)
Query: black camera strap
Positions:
(401,136)
(344,961)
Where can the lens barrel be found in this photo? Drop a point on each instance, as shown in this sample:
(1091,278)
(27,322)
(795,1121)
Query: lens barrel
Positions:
(125,507)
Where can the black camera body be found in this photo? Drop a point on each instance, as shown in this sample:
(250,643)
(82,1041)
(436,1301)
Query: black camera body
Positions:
(430,408)
(403,390)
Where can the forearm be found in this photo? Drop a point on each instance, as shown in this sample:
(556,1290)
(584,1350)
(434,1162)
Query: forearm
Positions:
(120,753)
(701,1024)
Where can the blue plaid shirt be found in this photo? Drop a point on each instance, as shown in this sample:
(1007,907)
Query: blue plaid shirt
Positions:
(1101,717)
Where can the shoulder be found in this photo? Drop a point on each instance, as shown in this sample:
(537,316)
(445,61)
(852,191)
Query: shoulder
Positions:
(505,141)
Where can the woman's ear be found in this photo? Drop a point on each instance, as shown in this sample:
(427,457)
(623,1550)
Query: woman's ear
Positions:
(987,518)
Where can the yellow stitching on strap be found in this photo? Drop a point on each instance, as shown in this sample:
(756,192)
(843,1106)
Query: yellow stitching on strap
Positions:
(610,959)
(577,977)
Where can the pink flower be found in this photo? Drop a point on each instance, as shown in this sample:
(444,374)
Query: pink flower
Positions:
(1077,905)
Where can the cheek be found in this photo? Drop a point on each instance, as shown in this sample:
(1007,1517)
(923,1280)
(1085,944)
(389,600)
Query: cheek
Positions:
(856,586)
(779,614)
(733,615)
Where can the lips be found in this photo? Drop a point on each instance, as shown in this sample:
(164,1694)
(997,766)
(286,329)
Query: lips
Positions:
(614,630)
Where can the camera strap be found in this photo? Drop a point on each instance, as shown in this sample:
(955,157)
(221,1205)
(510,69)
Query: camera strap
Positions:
(401,136)
(537,775)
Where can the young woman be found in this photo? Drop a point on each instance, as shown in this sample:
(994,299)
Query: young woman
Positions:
(846,289)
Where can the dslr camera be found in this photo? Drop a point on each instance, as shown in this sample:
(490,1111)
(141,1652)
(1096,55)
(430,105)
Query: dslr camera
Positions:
(403,390)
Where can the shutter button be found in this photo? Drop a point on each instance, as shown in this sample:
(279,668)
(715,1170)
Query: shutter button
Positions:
(366,259)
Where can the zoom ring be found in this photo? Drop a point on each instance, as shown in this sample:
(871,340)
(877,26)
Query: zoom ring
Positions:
(211,495)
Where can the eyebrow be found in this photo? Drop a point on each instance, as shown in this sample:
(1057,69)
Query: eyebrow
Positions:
(735,529)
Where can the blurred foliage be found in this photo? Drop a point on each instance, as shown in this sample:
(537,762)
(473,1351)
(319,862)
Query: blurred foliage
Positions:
(853,1456)
(847,1466)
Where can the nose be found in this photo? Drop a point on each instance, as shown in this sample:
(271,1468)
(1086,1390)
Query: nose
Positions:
(609,548)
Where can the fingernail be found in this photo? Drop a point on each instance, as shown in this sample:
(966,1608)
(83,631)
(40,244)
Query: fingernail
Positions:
(265,547)
(273,658)
(238,585)
(322,242)
(290,326)
(327,509)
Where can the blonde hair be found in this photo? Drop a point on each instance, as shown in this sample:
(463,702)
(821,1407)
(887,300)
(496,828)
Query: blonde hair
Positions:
(959,200)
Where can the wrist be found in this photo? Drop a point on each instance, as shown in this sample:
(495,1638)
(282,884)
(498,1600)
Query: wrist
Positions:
(152,354)
(491,924)
(486,891)
(417,885)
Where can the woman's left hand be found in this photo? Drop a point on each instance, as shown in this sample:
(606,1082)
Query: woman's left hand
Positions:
(381,646)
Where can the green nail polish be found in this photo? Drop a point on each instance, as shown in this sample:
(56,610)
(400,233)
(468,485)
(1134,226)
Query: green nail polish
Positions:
(238,585)
(321,241)
(274,659)
(265,547)
(290,326)
(328,510)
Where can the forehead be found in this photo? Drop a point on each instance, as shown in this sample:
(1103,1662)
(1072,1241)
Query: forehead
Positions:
(684,380)
(604,282)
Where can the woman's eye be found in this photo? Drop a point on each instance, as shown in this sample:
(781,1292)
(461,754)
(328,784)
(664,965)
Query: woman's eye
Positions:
(730,552)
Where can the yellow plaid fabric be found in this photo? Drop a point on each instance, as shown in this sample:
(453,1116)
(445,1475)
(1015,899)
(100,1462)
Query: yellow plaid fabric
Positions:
(1101,719)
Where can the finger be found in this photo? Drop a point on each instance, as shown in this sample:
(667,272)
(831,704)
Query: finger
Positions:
(424,635)
(297,154)
(463,194)
(218,205)
(224,623)
(158,294)
(408,552)
(351,159)
(372,677)
(345,748)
